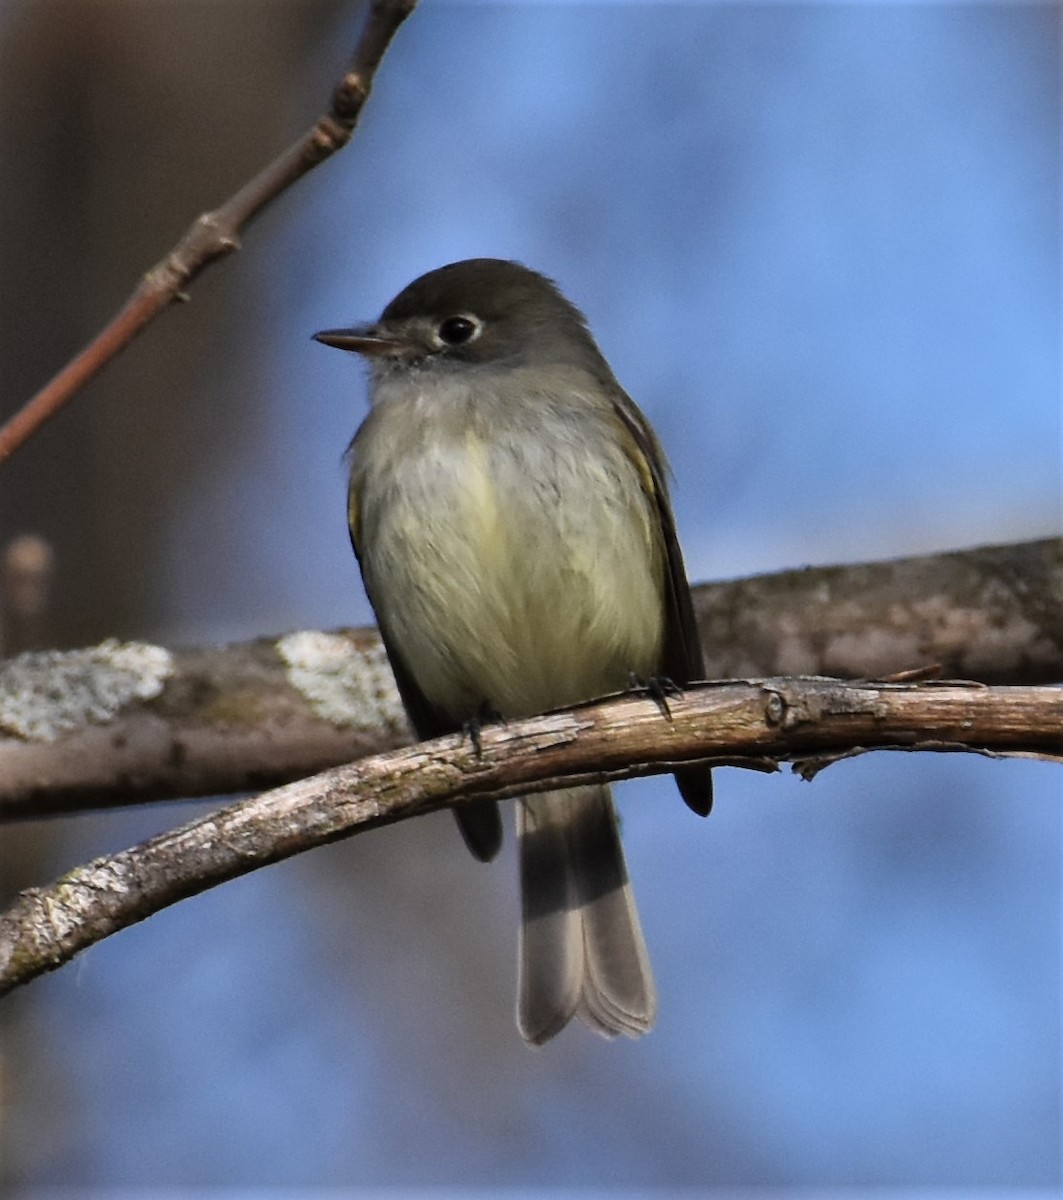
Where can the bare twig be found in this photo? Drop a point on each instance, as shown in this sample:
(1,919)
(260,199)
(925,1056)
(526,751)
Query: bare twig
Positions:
(124,725)
(216,234)
(754,721)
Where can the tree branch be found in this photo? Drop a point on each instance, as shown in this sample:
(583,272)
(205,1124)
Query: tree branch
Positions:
(125,724)
(994,613)
(216,234)
(754,723)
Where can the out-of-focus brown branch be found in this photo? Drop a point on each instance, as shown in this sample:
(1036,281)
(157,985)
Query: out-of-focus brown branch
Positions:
(127,724)
(216,234)
(994,613)
(753,723)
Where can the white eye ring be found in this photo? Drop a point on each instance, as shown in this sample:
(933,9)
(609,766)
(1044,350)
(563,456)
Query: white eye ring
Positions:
(458,330)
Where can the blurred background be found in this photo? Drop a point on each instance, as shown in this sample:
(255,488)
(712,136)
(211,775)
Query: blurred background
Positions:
(820,245)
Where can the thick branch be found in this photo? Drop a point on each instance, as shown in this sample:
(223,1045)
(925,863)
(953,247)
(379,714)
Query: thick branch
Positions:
(216,234)
(125,723)
(753,723)
(994,614)
(128,724)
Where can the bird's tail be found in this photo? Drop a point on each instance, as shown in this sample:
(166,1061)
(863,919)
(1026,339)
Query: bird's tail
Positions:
(581,945)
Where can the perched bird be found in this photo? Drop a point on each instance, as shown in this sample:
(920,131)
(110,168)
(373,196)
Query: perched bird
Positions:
(509,510)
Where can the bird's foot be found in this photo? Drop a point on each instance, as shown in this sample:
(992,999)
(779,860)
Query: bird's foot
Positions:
(485,715)
(658,688)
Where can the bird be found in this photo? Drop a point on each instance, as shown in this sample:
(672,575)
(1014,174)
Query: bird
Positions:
(509,510)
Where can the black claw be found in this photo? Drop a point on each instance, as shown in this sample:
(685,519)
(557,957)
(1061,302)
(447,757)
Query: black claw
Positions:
(486,715)
(658,688)
(471,730)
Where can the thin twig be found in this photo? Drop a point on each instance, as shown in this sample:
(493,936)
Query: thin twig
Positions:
(758,720)
(216,234)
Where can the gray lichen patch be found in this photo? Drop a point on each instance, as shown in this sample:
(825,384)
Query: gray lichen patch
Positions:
(343,683)
(46,694)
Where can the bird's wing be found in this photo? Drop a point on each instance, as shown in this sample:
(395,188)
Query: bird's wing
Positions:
(682,660)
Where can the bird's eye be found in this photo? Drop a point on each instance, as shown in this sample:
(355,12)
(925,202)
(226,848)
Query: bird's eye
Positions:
(456,331)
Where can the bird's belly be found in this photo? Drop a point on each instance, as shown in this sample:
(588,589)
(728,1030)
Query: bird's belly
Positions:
(513,593)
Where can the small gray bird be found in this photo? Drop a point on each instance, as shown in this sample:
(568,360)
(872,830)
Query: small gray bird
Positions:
(509,511)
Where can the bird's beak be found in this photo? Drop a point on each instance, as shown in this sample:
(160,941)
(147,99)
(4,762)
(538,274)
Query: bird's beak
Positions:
(366,339)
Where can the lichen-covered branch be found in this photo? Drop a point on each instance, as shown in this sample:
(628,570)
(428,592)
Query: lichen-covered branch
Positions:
(755,723)
(124,723)
(129,723)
